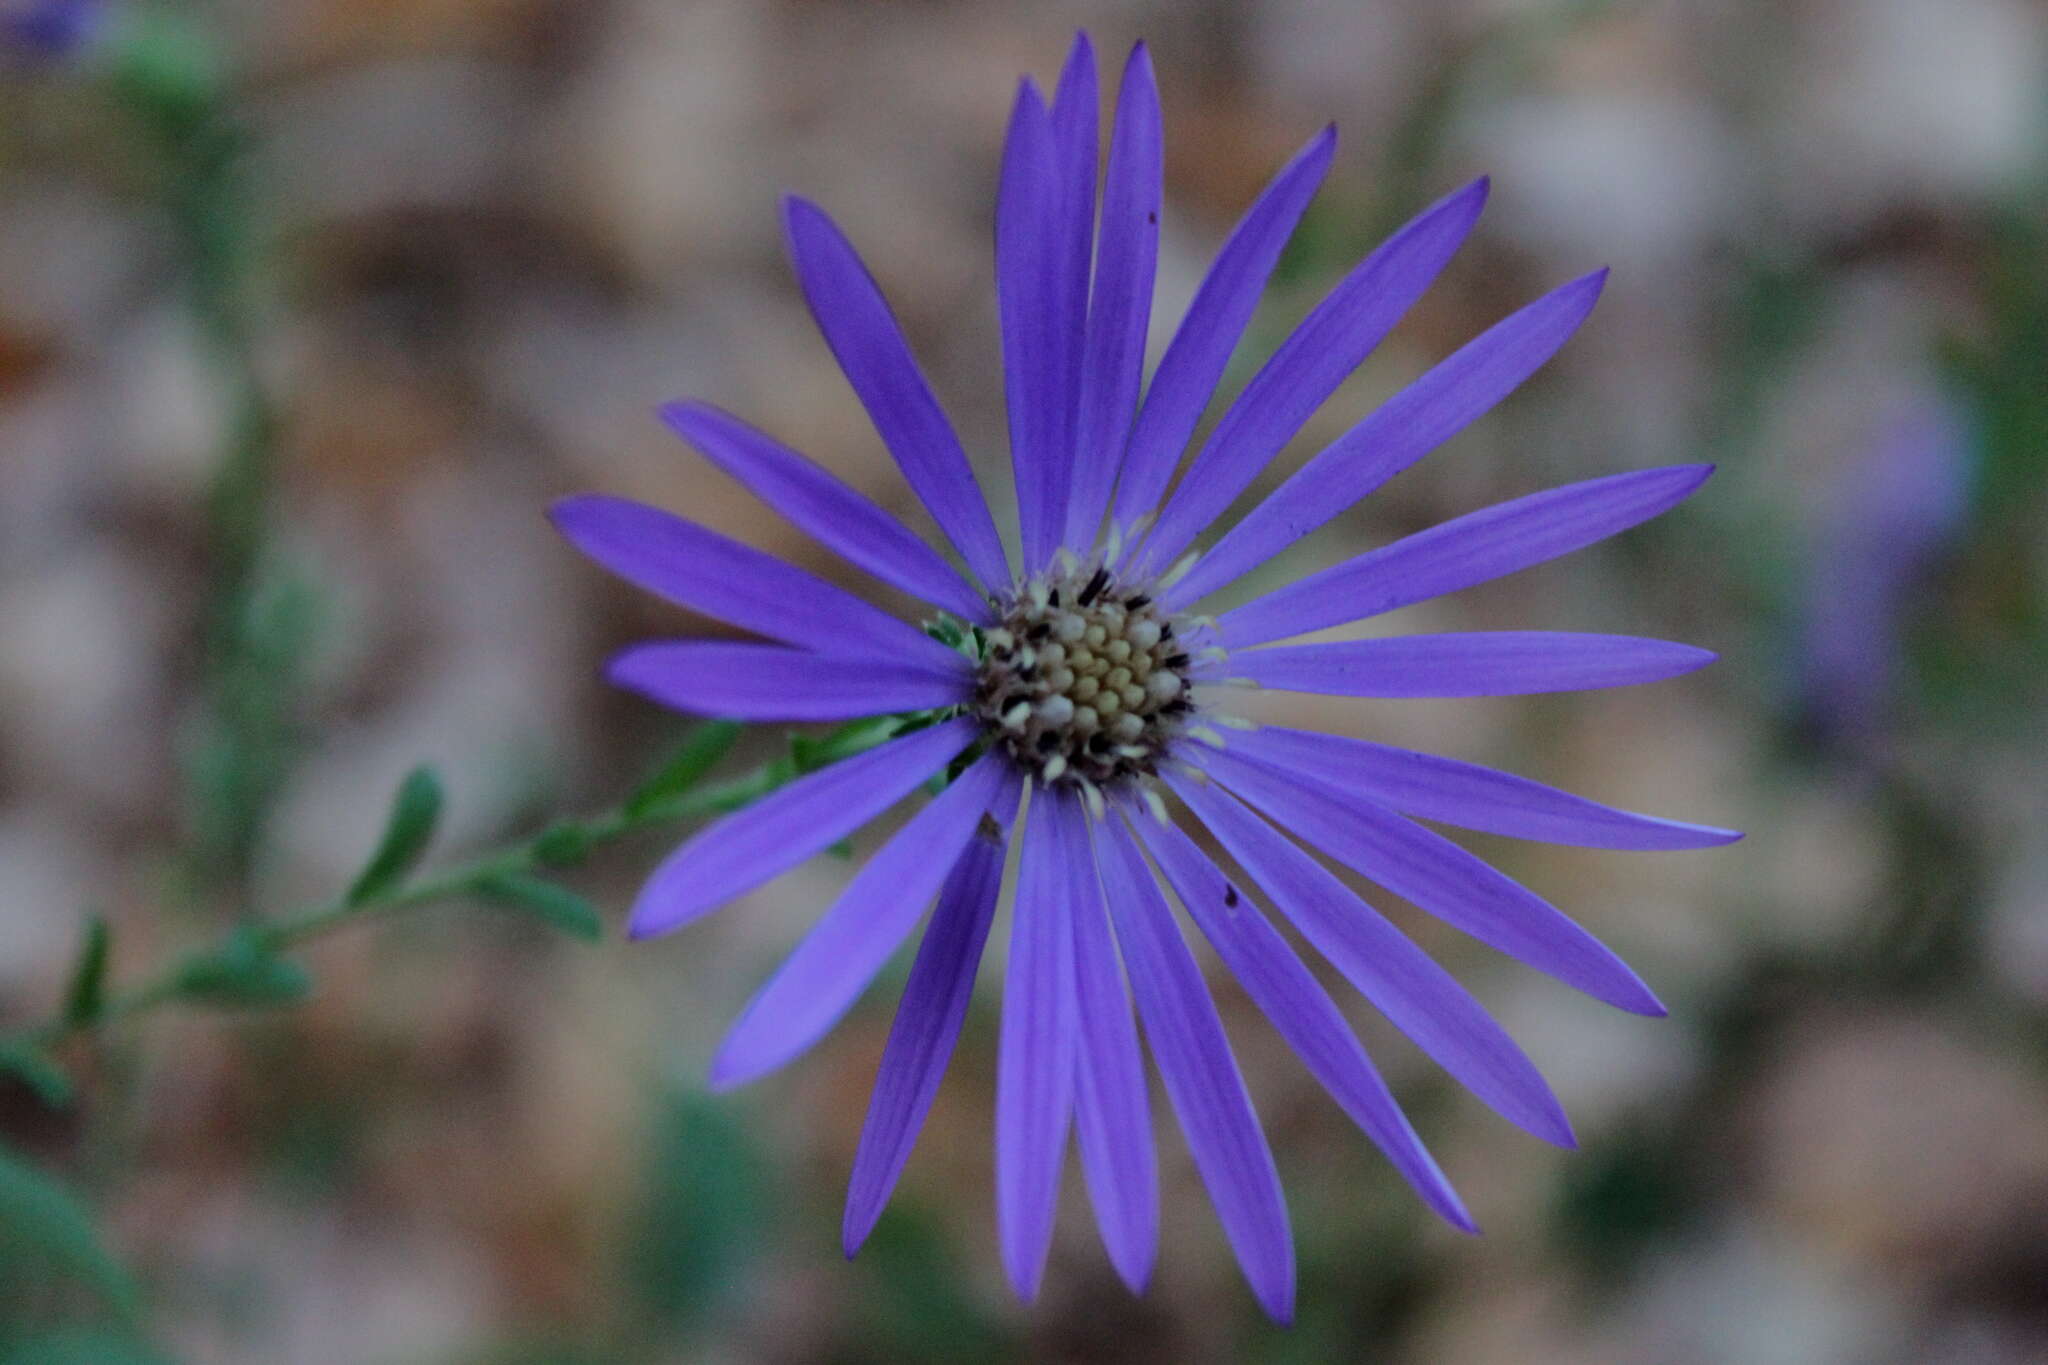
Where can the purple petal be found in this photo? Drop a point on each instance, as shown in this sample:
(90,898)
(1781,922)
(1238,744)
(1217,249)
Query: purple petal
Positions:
(1194,360)
(1496,663)
(769,682)
(1288,994)
(1202,1079)
(1112,1116)
(1418,997)
(836,516)
(1405,428)
(863,334)
(1471,549)
(1329,344)
(1035,1057)
(1437,875)
(1077,143)
(921,1041)
(1040,348)
(1114,353)
(737,853)
(833,965)
(1467,795)
(734,583)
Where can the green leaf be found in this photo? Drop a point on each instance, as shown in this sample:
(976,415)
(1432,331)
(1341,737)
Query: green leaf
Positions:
(563,845)
(556,906)
(414,812)
(32,1067)
(45,1229)
(87,995)
(244,971)
(705,1210)
(854,737)
(698,755)
(912,1301)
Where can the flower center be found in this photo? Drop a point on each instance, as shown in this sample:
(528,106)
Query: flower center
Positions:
(1084,680)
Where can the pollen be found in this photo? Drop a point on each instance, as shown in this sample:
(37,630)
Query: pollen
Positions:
(1083,681)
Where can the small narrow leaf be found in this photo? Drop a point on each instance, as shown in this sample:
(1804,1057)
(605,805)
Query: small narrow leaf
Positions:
(556,906)
(33,1068)
(854,737)
(414,812)
(87,995)
(244,971)
(699,754)
(44,1229)
(564,845)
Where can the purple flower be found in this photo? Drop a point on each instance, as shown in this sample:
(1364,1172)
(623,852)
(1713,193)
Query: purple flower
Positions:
(1897,509)
(1085,676)
(47,30)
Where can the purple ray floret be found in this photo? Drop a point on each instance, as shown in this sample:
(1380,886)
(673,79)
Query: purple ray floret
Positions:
(1060,699)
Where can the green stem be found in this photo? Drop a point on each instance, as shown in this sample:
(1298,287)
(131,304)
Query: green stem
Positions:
(294,928)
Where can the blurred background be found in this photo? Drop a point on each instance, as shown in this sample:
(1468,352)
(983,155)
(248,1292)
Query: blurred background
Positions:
(308,307)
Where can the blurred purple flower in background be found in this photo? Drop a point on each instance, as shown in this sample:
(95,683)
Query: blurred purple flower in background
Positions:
(1896,509)
(47,30)
(1085,676)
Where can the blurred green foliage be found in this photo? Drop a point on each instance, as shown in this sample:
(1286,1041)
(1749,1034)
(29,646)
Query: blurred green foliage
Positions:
(707,1209)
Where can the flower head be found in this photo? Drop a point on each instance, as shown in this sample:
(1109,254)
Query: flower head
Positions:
(1085,677)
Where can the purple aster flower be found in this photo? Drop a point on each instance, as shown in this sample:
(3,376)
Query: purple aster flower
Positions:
(1897,509)
(47,30)
(1073,692)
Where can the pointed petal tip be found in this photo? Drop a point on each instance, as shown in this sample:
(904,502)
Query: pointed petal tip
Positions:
(641,927)
(1277,1300)
(728,1073)
(676,413)
(564,511)
(1023,1283)
(799,217)
(857,1224)
(619,670)
(1136,1278)
(662,913)
(1688,477)
(1641,1002)
(721,1083)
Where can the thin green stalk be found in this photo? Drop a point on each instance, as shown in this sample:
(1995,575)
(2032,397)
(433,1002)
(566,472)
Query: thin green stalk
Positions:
(294,928)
